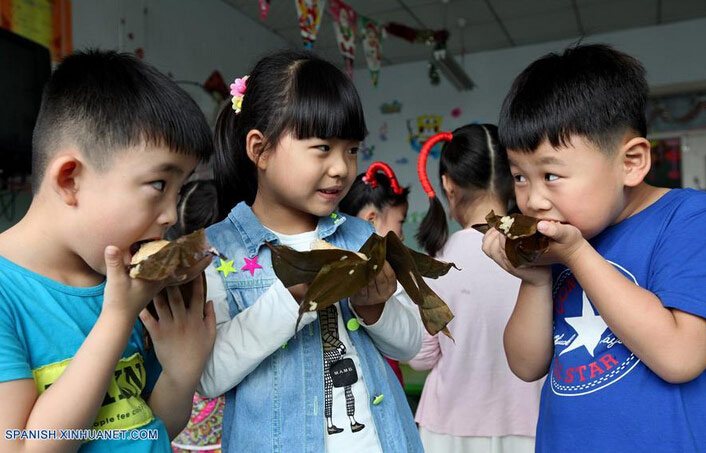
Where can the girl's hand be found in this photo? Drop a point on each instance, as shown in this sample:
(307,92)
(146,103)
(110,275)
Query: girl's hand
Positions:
(298,291)
(379,290)
(183,336)
(494,247)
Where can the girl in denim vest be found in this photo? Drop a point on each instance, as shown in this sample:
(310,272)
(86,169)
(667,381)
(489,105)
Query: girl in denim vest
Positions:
(285,157)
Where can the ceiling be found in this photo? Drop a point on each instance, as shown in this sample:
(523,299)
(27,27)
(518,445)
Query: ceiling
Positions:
(489,24)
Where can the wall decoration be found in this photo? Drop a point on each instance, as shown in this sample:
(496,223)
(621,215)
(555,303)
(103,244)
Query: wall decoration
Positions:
(402,161)
(383,132)
(309,13)
(455,113)
(264,8)
(426,126)
(345,21)
(45,22)
(685,111)
(391,107)
(372,35)
(366,151)
(666,163)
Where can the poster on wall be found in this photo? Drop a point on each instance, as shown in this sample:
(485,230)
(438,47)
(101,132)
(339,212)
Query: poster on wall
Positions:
(424,127)
(46,22)
(309,13)
(345,21)
(666,163)
(372,34)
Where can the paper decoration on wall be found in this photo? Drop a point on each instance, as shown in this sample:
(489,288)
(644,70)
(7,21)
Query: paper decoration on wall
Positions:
(216,86)
(417,36)
(391,107)
(345,21)
(366,151)
(666,163)
(45,22)
(264,8)
(309,13)
(372,35)
(425,128)
(383,132)
(455,113)
(402,161)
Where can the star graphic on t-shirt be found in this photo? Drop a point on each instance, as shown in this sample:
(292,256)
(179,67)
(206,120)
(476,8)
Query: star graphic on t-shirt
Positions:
(589,328)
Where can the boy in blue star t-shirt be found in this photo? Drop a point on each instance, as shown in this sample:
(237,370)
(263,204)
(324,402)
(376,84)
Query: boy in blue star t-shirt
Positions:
(113,144)
(616,323)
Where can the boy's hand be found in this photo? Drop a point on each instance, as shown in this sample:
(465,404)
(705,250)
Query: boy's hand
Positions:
(494,247)
(123,294)
(565,242)
(184,335)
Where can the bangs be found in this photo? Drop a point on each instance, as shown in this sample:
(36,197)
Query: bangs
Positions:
(324,104)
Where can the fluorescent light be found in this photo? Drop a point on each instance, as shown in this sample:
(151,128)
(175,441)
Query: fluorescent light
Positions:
(453,72)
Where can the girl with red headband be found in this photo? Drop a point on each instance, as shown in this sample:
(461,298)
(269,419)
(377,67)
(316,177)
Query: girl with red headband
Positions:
(377,197)
(471,401)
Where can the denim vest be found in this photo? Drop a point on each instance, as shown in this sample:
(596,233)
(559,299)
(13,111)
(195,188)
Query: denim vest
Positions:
(279,406)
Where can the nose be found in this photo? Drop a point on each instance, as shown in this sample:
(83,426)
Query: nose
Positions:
(168,216)
(340,166)
(537,200)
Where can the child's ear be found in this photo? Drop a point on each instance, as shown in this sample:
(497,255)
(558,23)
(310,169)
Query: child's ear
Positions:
(369,214)
(255,147)
(64,173)
(637,159)
(448,186)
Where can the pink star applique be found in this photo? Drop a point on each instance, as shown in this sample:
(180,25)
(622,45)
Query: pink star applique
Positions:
(251,265)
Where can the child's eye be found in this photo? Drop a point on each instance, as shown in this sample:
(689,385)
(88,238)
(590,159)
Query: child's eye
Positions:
(159,185)
(551,177)
(323,147)
(519,178)
(353,150)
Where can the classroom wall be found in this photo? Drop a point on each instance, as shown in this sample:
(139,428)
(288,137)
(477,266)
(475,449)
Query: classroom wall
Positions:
(672,54)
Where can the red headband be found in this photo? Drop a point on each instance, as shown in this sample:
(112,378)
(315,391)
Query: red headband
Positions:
(422,160)
(383,167)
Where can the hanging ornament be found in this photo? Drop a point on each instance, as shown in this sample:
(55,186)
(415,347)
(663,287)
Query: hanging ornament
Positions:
(417,36)
(309,13)
(345,19)
(372,35)
(434,78)
(264,8)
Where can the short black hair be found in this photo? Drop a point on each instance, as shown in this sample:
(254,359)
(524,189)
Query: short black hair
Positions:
(593,91)
(104,100)
(363,194)
(287,91)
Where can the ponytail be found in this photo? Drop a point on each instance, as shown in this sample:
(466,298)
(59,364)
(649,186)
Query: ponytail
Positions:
(235,175)
(434,229)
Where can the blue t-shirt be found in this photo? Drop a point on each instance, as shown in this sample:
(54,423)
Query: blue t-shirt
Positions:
(598,395)
(43,324)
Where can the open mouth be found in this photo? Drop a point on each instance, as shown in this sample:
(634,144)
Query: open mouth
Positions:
(136,246)
(330,193)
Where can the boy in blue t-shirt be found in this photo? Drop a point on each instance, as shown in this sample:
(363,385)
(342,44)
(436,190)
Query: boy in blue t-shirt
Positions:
(113,144)
(617,322)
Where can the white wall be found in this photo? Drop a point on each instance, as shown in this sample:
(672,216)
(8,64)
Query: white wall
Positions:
(186,38)
(672,54)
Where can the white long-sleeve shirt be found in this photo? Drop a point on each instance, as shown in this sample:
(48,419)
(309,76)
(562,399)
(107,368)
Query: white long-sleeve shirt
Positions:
(242,344)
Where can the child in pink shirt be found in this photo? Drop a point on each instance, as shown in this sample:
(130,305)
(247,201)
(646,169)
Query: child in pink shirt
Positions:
(471,400)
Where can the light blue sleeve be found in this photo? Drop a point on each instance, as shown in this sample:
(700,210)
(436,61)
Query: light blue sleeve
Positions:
(14,359)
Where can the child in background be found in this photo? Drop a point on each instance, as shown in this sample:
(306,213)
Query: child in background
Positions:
(198,208)
(113,143)
(285,157)
(617,321)
(471,401)
(378,199)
